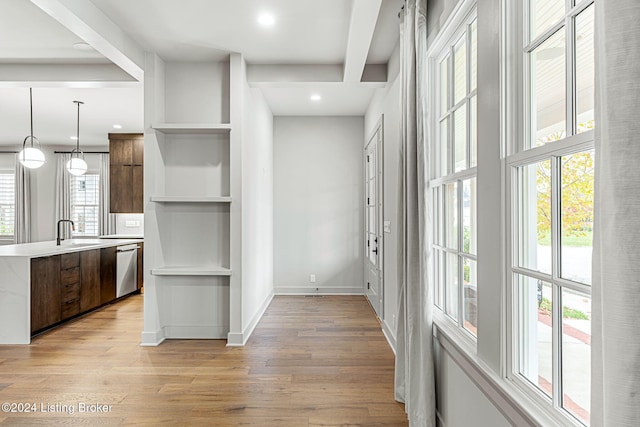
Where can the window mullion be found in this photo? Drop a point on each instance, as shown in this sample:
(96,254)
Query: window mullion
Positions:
(570,78)
(555,273)
(460,290)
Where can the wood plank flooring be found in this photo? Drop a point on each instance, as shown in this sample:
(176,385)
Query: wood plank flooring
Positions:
(314,361)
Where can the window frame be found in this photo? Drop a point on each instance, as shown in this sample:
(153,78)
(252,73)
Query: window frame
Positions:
(520,151)
(73,182)
(7,239)
(443,47)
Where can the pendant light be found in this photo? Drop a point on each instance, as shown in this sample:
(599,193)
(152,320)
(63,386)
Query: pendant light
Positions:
(76,165)
(31,157)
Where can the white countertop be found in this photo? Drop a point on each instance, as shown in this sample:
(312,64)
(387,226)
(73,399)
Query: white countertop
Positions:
(48,248)
(122,236)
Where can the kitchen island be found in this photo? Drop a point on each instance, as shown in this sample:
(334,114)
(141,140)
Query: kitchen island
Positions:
(56,269)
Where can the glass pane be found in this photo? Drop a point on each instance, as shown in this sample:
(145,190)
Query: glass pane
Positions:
(534,230)
(460,138)
(437,217)
(469,222)
(459,71)
(452,285)
(473,132)
(474,55)
(470,280)
(452,215)
(576,354)
(534,332)
(544,14)
(444,85)
(444,152)
(585,80)
(548,98)
(438,272)
(576,238)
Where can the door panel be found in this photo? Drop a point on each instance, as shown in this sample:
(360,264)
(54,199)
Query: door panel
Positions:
(373,223)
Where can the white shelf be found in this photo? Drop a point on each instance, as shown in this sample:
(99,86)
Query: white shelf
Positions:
(191,271)
(190,199)
(192,128)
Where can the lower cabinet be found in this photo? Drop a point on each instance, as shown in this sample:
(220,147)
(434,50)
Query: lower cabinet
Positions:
(63,286)
(45,292)
(90,279)
(107,274)
(140,265)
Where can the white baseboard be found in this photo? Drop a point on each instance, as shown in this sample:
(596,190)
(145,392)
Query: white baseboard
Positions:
(195,331)
(235,339)
(321,290)
(151,339)
(389,335)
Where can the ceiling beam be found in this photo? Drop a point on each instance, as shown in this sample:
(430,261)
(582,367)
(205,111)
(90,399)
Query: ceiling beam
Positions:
(364,15)
(85,20)
(90,74)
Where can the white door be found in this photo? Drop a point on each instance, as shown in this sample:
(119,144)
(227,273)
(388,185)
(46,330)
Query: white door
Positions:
(373,222)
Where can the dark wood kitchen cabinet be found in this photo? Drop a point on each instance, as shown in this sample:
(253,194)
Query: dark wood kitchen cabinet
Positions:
(140,265)
(126,156)
(45,292)
(69,285)
(107,274)
(90,279)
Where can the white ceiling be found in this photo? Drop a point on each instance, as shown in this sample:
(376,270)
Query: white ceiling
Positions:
(308,32)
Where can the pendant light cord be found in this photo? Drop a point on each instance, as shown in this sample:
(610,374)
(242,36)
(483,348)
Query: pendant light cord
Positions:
(78,129)
(31,112)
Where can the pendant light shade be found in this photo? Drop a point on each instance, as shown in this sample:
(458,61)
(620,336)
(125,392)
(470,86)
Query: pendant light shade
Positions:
(76,165)
(31,155)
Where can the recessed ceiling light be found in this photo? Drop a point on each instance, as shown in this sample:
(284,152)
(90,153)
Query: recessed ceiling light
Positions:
(82,46)
(315,97)
(266,19)
(117,126)
(73,137)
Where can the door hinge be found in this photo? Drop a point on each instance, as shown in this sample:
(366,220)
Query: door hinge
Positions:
(368,285)
(368,201)
(367,243)
(367,158)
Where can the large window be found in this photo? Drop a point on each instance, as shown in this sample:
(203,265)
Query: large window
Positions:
(85,204)
(453,184)
(551,166)
(7,205)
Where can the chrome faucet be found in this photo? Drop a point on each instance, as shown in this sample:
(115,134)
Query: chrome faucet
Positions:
(73,227)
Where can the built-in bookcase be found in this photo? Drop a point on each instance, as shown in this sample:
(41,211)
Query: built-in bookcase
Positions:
(188,181)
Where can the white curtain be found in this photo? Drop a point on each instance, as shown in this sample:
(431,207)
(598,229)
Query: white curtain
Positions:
(23,205)
(107,221)
(615,386)
(414,374)
(63,193)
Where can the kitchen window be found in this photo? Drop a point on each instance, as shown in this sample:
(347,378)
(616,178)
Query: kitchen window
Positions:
(7,205)
(550,199)
(453,184)
(85,196)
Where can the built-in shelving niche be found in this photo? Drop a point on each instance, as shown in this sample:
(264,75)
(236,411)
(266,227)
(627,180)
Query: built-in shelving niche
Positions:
(193,307)
(194,239)
(193,166)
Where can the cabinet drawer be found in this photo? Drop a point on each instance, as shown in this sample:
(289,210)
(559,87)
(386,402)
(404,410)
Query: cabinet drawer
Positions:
(69,260)
(70,292)
(70,308)
(70,276)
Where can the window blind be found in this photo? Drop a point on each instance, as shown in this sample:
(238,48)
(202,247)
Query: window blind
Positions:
(7,204)
(85,204)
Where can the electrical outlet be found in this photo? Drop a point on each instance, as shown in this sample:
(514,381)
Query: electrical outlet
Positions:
(312,278)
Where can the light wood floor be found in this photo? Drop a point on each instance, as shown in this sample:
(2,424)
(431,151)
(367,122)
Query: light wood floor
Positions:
(310,362)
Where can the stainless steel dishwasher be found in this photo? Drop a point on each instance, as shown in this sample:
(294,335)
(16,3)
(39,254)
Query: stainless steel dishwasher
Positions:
(126,269)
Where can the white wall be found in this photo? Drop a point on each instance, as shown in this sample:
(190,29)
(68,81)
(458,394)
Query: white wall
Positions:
(387,102)
(318,204)
(257,208)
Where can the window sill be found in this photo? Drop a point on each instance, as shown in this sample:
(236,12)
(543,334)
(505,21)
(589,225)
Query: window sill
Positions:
(514,404)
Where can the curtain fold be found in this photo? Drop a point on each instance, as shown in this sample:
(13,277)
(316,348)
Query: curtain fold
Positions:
(615,361)
(23,205)
(414,372)
(107,221)
(63,194)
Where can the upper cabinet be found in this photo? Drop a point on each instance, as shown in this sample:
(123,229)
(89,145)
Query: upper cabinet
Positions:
(126,154)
